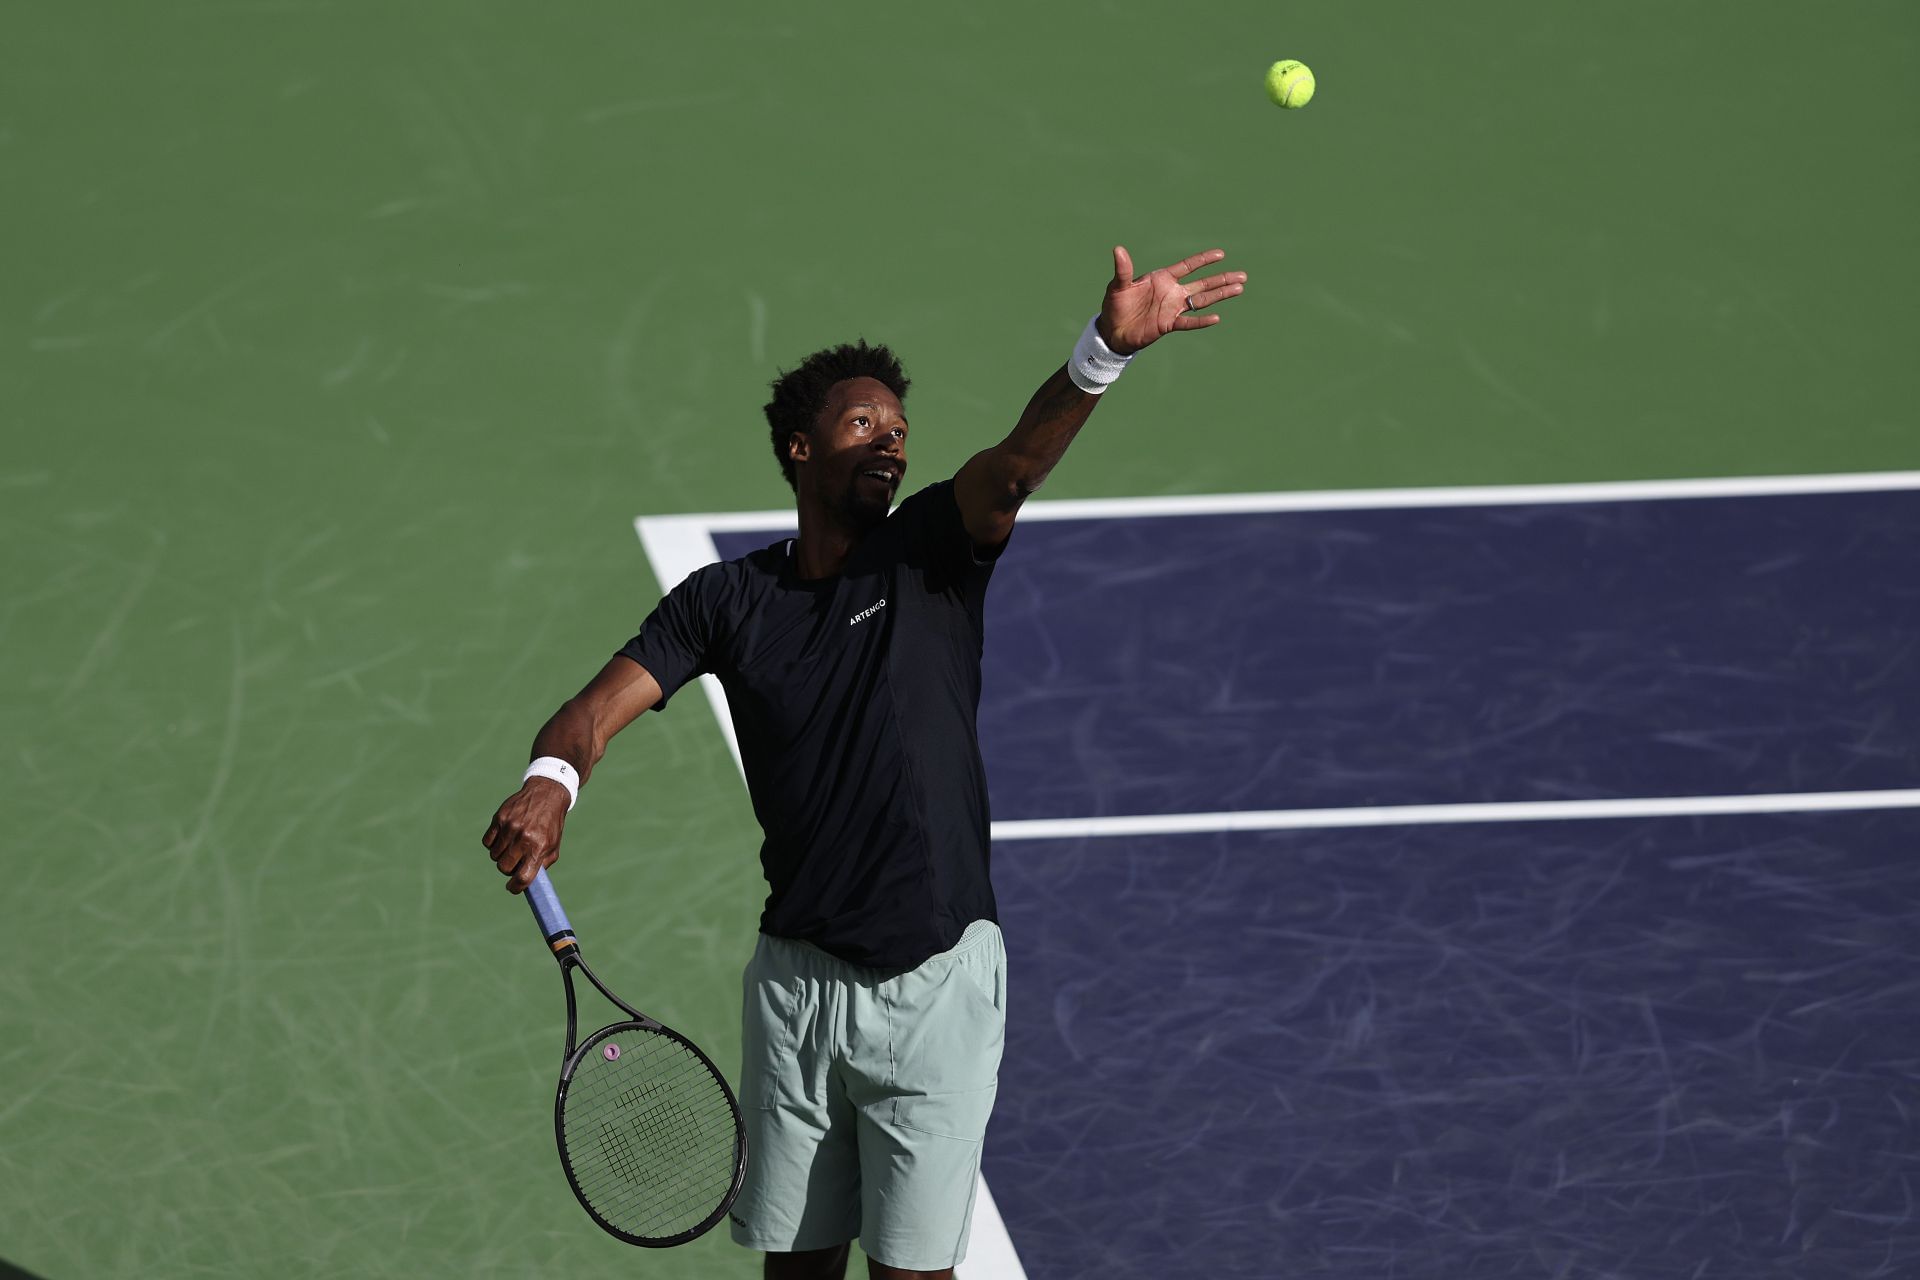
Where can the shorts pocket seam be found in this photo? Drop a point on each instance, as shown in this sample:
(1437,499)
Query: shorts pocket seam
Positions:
(989,1000)
(990,1092)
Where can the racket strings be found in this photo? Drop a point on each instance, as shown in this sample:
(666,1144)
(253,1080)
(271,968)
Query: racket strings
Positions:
(650,1134)
(657,1175)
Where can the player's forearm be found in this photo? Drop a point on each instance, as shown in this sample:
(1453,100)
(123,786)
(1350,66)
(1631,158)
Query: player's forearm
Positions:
(1022,462)
(580,730)
(573,734)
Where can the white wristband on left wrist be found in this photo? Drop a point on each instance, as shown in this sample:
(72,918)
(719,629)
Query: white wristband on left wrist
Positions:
(1094,365)
(558,770)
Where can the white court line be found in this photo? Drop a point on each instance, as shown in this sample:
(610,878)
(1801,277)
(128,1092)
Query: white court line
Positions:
(678,545)
(990,1254)
(1152,824)
(1507,495)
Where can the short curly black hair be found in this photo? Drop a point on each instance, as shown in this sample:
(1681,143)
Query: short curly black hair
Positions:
(801,392)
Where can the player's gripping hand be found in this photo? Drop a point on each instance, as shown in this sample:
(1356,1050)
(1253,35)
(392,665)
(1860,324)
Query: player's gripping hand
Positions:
(1138,313)
(524,836)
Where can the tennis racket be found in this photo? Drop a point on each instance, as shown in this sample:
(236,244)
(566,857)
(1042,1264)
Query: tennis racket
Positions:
(649,1132)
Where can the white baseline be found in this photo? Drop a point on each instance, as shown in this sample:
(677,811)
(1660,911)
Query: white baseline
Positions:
(1505,495)
(1405,815)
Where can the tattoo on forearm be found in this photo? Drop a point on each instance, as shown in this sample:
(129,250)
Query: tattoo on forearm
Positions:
(1053,417)
(1057,398)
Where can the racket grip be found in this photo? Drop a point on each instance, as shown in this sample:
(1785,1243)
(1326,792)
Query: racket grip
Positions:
(554,924)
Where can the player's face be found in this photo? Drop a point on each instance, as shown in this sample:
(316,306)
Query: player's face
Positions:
(858,450)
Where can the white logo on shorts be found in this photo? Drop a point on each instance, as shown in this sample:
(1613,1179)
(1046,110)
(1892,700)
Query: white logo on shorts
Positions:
(867,612)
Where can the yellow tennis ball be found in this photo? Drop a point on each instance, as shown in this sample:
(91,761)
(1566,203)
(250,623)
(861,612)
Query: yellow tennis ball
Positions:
(1290,84)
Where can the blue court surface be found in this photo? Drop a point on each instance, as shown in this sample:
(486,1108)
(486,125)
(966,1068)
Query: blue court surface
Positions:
(1682,1047)
(1641,1046)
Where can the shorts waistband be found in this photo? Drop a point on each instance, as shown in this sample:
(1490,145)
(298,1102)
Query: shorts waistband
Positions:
(976,934)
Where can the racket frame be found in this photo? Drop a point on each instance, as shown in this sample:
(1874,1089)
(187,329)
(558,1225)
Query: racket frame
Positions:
(560,938)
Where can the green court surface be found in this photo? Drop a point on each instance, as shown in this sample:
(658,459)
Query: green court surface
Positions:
(345,342)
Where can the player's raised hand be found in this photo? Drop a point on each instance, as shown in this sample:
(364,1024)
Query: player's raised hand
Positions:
(1138,313)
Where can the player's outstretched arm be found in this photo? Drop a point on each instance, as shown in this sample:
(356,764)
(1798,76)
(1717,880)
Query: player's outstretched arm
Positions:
(1135,314)
(524,836)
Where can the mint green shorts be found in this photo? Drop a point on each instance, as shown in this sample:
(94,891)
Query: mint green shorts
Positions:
(866,1094)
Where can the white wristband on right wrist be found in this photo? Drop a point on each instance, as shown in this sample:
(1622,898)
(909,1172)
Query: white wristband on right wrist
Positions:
(558,770)
(1095,365)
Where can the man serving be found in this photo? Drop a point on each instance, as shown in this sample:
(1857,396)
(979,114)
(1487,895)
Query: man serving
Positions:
(874,1009)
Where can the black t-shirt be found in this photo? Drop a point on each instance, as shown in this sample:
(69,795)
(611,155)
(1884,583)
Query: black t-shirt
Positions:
(854,700)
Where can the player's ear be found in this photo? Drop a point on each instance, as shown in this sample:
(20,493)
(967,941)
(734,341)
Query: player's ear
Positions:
(799,446)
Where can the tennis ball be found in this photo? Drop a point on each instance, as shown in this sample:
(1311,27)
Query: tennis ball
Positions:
(1290,84)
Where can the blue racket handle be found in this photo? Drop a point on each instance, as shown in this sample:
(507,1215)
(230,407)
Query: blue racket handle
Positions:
(547,910)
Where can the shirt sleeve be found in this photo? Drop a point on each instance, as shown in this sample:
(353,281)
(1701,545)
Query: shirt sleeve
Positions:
(675,643)
(937,527)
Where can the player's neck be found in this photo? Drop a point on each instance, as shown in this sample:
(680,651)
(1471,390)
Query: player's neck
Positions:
(824,544)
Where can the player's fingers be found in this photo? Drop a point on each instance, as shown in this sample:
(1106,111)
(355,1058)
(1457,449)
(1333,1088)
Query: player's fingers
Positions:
(1191,321)
(1195,301)
(1122,267)
(1188,265)
(530,866)
(1220,281)
(510,843)
(507,856)
(493,833)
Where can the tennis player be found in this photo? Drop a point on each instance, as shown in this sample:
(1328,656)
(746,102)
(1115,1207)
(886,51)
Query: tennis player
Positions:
(875,999)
